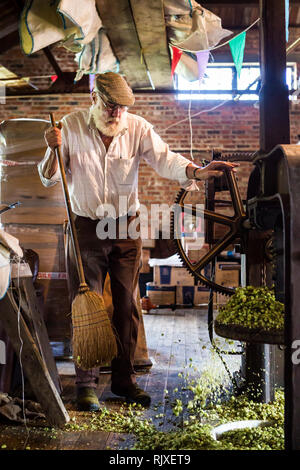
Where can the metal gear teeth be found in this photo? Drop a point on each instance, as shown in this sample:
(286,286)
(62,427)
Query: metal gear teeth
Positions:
(206,283)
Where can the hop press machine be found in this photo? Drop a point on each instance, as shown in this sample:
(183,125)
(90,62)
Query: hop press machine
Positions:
(266,226)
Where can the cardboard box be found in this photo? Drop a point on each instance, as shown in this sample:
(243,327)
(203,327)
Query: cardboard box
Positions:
(185,295)
(227,274)
(194,255)
(201,296)
(172,276)
(192,295)
(161,295)
(220,300)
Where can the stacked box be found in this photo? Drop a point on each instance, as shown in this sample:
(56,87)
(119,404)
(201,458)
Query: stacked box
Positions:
(227,274)
(172,276)
(192,295)
(161,295)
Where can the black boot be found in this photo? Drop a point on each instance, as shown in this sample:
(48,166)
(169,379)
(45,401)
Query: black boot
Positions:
(87,399)
(132,393)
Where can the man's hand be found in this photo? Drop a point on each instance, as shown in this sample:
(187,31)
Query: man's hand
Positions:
(53,136)
(212,170)
(53,140)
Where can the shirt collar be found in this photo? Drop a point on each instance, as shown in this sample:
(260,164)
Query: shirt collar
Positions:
(92,126)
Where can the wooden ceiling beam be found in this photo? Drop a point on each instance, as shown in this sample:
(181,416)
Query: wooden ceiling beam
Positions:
(8,29)
(11,40)
(119,24)
(53,61)
(151,29)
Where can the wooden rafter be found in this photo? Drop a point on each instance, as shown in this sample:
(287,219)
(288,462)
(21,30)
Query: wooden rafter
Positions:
(119,24)
(151,29)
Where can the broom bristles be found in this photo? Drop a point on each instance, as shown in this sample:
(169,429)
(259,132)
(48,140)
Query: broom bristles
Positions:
(94,342)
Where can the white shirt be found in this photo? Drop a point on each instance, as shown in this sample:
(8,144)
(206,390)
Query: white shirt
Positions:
(97,177)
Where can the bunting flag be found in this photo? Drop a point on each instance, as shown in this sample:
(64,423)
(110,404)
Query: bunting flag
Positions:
(202,60)
(287,14)
(175,59)
(237,47)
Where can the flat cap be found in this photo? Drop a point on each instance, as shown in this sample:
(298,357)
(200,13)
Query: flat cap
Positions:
(115,87)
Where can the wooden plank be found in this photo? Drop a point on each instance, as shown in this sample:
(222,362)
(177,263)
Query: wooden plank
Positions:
(23,147)
(41,214)
(119,24)
(11,40)
(39,204)
(151,29)
(40,330)
(46,240)
(57,308)
(34,367)
(86,440)
(8,29)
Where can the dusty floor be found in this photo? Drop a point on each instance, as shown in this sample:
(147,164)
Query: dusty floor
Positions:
(178,343)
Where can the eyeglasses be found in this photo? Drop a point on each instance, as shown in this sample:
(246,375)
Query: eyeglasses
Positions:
(111,106)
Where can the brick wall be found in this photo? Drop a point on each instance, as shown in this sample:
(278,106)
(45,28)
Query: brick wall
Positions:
(231,128)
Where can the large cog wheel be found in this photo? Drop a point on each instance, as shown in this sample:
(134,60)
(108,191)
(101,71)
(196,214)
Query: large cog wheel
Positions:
(233,223)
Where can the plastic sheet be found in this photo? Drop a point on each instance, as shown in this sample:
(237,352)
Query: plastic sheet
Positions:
(21,135)
(4,270)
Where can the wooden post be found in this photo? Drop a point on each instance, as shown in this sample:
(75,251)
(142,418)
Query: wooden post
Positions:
(273,98)
(274,130)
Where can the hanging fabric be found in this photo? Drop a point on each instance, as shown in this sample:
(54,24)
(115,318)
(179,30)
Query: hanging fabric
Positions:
(96,57)
(70,23)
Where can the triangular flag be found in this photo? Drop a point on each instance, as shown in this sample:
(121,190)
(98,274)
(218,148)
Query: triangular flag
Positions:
(175,59)
(237,47)
(202,60)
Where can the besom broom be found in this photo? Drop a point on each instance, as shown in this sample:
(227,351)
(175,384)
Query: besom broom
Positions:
(94,342)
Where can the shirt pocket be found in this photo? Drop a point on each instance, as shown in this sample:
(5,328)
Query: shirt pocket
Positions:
(122,170)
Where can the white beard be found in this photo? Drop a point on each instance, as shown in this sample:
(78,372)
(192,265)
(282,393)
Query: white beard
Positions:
(107,125)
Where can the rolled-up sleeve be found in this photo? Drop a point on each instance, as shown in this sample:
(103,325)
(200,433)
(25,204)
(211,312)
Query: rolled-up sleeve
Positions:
(65,156)
(48,181)
(165,162)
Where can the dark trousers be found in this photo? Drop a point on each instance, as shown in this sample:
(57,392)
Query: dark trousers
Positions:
(121,259)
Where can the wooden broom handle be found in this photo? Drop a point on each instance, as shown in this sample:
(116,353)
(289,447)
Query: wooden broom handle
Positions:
(69,211)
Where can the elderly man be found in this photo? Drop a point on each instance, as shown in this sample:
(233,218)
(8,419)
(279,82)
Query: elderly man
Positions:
(102,147)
